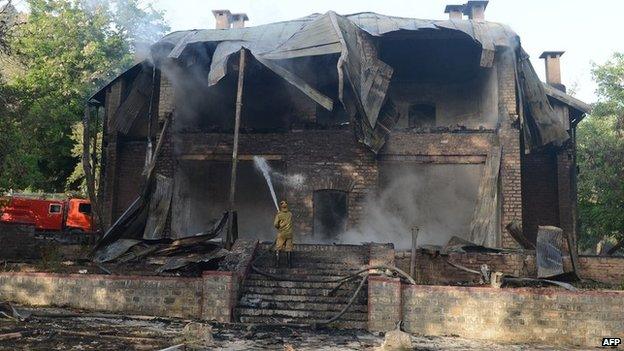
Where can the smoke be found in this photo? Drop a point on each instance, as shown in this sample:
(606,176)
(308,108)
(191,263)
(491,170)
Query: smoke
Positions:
(436,200)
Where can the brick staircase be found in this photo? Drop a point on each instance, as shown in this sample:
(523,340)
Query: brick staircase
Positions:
(303,296)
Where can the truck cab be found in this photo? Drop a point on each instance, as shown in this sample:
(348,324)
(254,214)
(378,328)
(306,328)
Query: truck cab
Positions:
(72,215)
(78,215)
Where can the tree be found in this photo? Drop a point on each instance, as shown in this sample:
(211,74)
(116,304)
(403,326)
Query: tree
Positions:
(600,141)
(70,48)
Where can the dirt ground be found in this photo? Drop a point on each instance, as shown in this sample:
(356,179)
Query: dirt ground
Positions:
(60,329)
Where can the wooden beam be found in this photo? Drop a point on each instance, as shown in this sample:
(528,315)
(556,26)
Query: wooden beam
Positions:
(231,236)
(299,83)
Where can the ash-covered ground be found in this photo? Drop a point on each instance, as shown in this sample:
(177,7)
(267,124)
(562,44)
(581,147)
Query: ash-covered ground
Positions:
(59,329)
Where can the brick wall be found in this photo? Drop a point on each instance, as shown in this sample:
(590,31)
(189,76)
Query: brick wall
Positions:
(566,192)
(210,297)
(603,269)
(509,137)
(330,159)
(432,269)
(159,296)
(220,295)
(384,303)
(130,161)
(547,316)
(19,243)
(438,144)
(539,188)
(435,269)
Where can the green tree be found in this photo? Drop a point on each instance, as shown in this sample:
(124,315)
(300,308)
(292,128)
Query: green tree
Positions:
(601,158)
(70,48)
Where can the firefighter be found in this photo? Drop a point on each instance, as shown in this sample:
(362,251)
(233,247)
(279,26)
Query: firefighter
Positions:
(284,241)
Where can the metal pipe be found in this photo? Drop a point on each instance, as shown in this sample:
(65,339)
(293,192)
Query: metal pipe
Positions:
(413,255)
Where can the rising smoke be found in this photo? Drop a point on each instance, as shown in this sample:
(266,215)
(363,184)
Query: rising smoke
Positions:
(436,200)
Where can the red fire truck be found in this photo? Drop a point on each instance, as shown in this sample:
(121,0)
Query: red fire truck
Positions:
(68,214)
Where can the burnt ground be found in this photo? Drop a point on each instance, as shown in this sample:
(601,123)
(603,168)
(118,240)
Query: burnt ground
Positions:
(59,329)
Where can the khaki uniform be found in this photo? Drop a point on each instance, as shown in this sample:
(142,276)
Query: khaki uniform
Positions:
(283,224)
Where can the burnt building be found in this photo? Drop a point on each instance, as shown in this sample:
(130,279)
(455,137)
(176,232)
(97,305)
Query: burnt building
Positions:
(391,123)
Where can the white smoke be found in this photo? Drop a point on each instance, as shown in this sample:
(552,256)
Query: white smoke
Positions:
(436,200)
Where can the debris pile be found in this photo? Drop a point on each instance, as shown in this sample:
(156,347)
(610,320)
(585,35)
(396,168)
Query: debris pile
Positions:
(184,255)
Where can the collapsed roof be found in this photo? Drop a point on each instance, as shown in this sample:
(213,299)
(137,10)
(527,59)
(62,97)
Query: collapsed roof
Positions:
(367,78)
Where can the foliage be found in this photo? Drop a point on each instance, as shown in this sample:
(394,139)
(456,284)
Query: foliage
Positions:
(70,48)
(77,178)
(600,142)
(6,24)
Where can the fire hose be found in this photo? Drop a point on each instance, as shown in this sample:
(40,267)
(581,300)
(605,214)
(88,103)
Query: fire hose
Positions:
(364,272)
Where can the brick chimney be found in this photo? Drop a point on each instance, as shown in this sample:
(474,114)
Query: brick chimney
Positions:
(238,20)
(475,10)
(553,68)
(454,11)
(223,19)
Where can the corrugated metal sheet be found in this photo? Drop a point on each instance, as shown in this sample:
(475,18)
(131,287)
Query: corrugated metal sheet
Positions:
(367,76)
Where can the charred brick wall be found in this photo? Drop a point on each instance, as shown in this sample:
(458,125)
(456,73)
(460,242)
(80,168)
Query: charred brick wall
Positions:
(603,269)
(566,189)
(539,188)
(329,159)
(435,269)
(509,137)
(130,161)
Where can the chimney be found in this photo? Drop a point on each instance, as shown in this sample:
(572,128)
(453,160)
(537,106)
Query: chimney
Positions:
(553,68)
(223,18)
(475,10)
(238,20)
(454,11)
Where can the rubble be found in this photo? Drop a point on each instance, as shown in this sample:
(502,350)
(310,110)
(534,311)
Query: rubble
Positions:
(60,329)
(396,340)
(187,253)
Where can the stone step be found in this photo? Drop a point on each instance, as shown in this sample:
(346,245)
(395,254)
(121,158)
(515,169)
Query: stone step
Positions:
(297,272)
(344,299)
(297,277)
(249,302)
(316,315)
(361,249)
(340,324)
(321,258)
(311,265)
(297,291)
(312,255)
(351,285)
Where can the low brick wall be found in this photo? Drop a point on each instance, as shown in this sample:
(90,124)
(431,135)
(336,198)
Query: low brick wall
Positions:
(435,269)
(384,303)
(17,242)
(158,296)
(603,269)
(546,316)
(219,296)
(212,296)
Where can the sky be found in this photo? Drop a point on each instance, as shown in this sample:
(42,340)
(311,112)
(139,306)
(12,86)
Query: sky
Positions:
(588,32)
